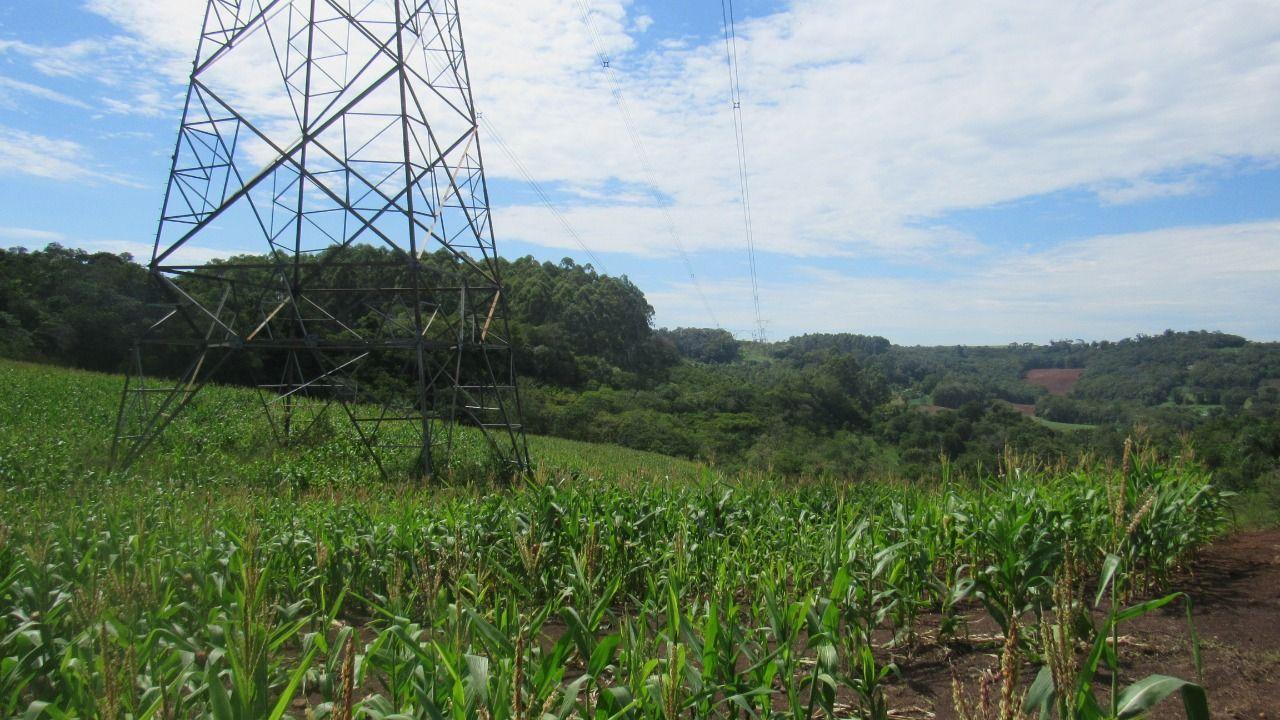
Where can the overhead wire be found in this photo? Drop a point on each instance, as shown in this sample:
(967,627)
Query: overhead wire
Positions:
(740,140)
(637,143)
(538,190)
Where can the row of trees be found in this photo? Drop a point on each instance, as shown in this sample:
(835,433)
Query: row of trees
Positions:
(71,307)
(571,324)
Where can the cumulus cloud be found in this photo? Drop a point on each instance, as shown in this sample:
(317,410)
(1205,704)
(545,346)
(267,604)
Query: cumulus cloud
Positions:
(170,27)
(864,120)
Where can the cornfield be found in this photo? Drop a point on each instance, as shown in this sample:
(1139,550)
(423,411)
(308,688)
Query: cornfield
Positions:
(637,587)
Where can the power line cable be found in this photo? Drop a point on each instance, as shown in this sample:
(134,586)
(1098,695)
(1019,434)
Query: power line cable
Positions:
(740,140)
(496,137)
(637,143)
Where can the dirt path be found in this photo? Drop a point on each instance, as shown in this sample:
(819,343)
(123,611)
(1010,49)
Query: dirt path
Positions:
(1235,586)
(1236,589)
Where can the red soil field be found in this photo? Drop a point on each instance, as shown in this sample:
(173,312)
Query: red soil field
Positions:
(1058,381)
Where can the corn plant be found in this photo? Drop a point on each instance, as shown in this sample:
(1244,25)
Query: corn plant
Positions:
(1078,700)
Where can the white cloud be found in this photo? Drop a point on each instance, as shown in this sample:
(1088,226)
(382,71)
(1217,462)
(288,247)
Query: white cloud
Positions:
(171,27)
(121,74)
(8,86)
(864,120)
(1219,277)
(1145,189)
(141,251)
(863,116)
(31,234)
(31,154)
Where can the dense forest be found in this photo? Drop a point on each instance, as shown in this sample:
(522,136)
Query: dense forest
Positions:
(593,367)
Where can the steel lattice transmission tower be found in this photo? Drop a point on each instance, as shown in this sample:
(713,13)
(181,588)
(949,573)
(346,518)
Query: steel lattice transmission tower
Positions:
(315,131)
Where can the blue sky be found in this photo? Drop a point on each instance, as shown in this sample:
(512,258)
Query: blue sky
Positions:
(930,173)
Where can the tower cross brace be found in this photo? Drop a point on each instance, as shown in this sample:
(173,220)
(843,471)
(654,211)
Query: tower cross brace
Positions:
(332,147)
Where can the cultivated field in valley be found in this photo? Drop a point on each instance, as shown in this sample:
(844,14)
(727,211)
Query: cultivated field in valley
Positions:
(1058,381)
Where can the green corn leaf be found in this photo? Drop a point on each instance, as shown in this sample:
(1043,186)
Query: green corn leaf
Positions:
(578,631)
(220,704)
(1041,695)
(478,678)
(605,602)
(710,635)
(1143,608)
(826,656)
(743,700)
(283,634)
(459,697)
(618,696)
(626,709)
(603,654)
(1195,701)
(295,679)
(496,641)
(1143,695)
(571,696)
(1109,568)
(1194,639)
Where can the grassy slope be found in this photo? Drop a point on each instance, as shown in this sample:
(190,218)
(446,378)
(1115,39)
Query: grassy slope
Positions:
(1061,425)
(57,424)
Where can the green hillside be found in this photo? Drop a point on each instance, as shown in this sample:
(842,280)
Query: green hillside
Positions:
(593,368)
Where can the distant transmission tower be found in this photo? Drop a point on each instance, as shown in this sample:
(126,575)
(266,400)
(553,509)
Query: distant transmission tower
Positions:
(314,129)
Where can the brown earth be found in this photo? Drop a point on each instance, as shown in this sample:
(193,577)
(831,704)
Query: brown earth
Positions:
(1058,381)
(1235,591)
(1024,408)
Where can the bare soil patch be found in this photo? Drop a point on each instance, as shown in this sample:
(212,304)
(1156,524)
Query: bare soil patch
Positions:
(1058,381)
(1235,590)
